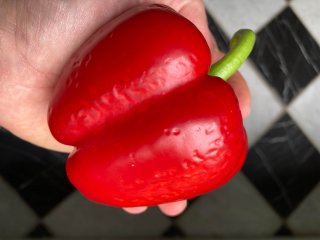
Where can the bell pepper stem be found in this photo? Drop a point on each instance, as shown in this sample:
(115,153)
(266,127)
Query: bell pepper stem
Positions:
(241,46)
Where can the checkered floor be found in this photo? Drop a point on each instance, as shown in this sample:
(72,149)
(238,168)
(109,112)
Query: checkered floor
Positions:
(277,192)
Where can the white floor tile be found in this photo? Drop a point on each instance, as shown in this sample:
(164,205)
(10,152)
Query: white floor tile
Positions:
(308,13)
(16,218)
(235,210)
(77,217)
(266,106)
(305,220)
(232,15)
(305,110)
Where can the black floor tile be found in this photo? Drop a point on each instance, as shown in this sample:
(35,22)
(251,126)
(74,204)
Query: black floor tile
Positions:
(287,55)
(38,175)
(284,166)
(173,232)
(39,231)
(284,231)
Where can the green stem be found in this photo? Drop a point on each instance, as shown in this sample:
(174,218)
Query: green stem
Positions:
(241,46)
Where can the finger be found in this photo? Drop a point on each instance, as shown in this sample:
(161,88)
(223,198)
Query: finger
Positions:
(135,210)
(194,11)
(239,86)
(242,92)
(174,208)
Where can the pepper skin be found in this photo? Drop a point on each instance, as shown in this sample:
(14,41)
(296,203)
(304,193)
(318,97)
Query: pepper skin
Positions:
(149,125)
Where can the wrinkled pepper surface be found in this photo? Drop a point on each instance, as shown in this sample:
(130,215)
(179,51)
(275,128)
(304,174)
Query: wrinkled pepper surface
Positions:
(149,124)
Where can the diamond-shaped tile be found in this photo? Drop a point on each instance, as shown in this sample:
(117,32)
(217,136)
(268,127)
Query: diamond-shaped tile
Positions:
(77,217)
(308,13)
(283,231)
(305,220)
(283,165)
(232,15)
(266,107)
(40,231)
(287,55)
(305,110)
(234,210)
(173,232)
(38,175)
(16,217)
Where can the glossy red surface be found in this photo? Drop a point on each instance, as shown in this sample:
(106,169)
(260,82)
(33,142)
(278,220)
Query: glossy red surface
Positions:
(149,125)
(138,57)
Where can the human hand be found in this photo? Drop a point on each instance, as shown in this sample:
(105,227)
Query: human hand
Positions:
(37,37)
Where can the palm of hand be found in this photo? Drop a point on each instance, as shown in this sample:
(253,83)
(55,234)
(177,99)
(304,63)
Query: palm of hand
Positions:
(38,39)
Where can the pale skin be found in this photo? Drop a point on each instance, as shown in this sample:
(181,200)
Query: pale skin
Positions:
(36,39)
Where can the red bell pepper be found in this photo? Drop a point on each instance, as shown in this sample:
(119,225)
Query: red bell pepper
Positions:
(149,124)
